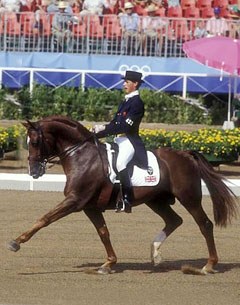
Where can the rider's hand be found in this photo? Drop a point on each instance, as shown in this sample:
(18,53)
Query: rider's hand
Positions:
(98,128)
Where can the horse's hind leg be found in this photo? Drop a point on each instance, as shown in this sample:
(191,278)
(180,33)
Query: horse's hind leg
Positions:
(206,228)
(172,222)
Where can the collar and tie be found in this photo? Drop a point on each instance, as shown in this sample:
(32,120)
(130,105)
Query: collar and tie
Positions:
(130,95)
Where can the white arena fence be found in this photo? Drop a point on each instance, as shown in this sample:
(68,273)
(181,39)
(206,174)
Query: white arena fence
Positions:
(56,183)
(97,35)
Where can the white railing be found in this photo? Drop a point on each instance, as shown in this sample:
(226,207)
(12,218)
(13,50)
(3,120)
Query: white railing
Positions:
(33,72)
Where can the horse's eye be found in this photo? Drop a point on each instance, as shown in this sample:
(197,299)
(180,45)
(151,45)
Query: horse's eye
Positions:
(34,144)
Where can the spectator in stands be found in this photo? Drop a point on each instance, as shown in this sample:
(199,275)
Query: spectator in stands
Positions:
(161,5)
(234,24)
(61,27)
(217,25)
(143,3)
(76,6)
(152,28)
(173,3)
(112,9)
(27,5)
(140,7)
(200,30)
(94,7)
(131,29)
(9,6)
(35,5)
(234,10)
(120,6)
(54,8)
(41,9)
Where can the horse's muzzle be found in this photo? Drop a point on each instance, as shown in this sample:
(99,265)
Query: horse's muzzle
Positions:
(37,169)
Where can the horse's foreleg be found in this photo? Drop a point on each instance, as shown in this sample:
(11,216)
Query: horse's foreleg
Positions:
(99,223)
(172,222)
(66,207)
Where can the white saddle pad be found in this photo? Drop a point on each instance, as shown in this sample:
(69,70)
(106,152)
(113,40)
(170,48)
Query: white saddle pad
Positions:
(140,177)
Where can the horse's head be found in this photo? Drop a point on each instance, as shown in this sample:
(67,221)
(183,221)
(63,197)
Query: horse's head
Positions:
(50,137)
(38,149)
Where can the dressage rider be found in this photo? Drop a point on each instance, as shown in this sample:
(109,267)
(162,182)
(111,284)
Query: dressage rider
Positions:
(125,126)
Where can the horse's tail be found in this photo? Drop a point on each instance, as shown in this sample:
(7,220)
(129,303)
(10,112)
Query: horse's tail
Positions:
(224,200)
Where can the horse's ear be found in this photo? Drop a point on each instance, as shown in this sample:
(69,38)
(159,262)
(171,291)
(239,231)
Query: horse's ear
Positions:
(28,124)
(25,124)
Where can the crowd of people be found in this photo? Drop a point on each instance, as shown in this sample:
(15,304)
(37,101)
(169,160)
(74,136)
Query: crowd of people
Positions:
(100,7)
(139,21)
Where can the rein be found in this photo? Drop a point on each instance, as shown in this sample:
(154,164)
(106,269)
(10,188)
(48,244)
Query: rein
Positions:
(71,149)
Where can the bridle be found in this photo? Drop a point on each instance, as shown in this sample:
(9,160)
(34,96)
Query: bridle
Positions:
(44,157)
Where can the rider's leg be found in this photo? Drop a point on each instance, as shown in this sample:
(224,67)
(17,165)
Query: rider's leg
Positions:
(127,193)
(126,152)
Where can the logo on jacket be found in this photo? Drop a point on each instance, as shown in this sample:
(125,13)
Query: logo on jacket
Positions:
(129,121)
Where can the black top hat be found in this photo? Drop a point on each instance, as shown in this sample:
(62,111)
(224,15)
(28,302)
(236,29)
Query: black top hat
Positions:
(133,76)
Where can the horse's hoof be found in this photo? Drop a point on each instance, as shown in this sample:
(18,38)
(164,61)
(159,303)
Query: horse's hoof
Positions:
(13,246)
(104,270)
(156,257)
(205,270)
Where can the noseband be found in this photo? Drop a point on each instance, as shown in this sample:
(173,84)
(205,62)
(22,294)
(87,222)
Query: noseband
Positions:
(42,158)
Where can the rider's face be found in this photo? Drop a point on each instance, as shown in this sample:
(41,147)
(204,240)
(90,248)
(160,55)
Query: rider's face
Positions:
(129,86)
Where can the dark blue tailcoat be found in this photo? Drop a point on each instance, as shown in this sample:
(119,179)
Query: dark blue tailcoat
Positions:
(127,120)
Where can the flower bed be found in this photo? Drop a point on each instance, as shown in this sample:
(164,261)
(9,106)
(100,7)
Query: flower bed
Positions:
(10,138)
(217,145)
(213,143)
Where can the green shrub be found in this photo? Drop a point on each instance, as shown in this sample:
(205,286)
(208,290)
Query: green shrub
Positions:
(100,105)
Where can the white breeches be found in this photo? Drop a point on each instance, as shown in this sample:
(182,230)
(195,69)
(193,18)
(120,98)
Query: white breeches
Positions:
(126,152)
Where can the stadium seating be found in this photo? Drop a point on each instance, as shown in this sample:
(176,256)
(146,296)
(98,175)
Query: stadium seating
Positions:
(207,12)
(220,3)
(12,28)
(174,11)
(187,3)
(79,31)
(204,3)
(113,34)
(192,12)
(28,31)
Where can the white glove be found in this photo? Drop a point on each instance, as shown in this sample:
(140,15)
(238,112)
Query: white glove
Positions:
(98,128)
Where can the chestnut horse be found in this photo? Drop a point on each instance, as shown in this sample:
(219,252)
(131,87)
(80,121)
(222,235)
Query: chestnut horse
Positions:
(88,188)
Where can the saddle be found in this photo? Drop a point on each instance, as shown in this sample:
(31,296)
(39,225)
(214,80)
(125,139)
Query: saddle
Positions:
(139,176)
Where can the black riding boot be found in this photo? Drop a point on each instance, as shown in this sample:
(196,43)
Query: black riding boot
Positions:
(127,193)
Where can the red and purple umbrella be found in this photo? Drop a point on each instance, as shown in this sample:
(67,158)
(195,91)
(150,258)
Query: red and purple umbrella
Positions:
(218,52)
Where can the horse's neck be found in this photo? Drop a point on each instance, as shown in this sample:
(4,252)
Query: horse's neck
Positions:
(66,135)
